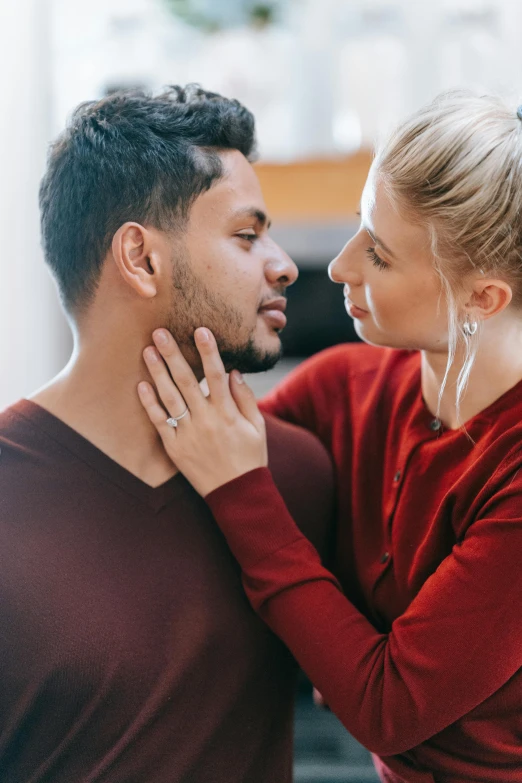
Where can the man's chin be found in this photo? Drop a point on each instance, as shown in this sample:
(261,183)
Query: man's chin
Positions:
(250,358)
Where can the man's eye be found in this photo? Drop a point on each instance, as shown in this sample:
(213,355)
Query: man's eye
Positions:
(248,237)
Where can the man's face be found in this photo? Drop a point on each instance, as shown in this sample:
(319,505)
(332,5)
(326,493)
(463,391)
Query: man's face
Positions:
(227,271)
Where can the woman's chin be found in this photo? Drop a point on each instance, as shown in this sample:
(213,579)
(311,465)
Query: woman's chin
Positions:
(364,331)
(369,333)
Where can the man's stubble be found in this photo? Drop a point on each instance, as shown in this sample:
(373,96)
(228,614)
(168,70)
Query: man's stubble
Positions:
(193,304)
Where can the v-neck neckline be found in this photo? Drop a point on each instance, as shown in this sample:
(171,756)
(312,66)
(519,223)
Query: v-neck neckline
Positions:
(154,497)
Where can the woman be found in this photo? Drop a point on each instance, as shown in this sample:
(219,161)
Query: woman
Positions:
(416,642)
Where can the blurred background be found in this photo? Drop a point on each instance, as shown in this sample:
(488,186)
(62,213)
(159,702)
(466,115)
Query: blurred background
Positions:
(325,79)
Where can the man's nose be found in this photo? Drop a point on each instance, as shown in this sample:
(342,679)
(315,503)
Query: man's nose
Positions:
(280,269)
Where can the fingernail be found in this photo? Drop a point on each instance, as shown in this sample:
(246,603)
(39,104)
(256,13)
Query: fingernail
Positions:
(238,377)
(151,354)
(202,335)
(160,337)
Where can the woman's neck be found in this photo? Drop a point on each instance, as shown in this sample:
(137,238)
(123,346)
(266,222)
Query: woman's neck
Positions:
(496,369)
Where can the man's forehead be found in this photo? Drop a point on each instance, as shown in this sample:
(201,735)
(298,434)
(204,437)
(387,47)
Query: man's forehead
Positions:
(237,193)
(240,177)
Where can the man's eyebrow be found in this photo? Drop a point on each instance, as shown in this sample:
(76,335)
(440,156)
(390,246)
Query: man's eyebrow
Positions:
(253,212)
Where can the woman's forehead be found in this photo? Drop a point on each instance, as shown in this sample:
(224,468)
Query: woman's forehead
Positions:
(380,215)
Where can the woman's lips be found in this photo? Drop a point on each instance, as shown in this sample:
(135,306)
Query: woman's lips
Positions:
(354,311)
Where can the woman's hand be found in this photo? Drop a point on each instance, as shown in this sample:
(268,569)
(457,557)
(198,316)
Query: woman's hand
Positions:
(221,436)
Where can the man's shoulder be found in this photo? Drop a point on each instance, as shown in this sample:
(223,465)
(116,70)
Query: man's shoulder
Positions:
(15,432)
(295,444)
(303,472)
(9,417)
(15,482)
(24,452)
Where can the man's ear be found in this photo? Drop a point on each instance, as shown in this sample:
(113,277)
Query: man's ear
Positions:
(489,297)
(136,256)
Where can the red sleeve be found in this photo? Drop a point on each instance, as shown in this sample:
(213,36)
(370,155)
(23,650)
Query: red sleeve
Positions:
(457,643)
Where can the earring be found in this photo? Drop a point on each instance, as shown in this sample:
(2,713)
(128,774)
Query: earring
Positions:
(469,327)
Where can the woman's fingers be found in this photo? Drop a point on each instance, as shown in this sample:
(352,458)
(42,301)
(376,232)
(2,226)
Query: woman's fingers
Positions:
(185,390)
(157,416)
(169,394)
(214,370)
(182,375)
(209,446)
(245,400)
(150,402)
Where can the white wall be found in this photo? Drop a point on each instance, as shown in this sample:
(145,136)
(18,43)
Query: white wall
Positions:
(34,336)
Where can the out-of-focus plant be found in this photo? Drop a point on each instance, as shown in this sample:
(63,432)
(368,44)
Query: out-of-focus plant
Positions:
(191,14)
(262,14)
(257,14)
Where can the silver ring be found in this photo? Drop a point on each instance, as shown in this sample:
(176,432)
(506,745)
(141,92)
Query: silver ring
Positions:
(173,420)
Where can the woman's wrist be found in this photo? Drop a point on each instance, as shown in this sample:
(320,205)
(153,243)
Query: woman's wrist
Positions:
(253,516)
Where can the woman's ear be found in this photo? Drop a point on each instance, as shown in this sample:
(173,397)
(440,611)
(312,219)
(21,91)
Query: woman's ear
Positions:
(489,297)
(135,256)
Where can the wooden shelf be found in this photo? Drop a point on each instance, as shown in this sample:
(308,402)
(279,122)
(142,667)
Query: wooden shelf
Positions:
(326,190)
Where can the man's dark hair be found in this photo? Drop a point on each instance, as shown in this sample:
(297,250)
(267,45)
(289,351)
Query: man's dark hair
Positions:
(131,157)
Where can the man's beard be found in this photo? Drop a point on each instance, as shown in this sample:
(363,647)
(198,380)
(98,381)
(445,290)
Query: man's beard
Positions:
(248,357)
(193,305)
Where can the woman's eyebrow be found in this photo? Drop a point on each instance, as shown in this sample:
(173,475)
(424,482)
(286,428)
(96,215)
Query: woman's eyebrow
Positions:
(380,242)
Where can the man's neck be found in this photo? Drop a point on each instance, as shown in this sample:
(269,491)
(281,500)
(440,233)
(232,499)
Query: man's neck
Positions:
(101,403)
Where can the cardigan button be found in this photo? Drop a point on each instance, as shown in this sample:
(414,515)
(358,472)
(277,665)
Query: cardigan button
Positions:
(435,425)
(384,557)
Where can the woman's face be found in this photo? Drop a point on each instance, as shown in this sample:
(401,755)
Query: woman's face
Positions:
(391,288)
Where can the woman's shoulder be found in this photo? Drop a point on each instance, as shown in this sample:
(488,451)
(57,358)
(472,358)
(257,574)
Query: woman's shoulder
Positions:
(350,362)
(320,387)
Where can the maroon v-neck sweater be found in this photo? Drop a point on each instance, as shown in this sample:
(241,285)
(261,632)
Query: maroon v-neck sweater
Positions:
(128,650)
(421,657)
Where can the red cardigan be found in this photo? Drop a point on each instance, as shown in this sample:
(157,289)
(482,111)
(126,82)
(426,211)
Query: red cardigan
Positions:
(416,642)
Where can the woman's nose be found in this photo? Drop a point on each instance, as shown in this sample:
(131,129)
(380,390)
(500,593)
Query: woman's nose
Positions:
(344,268)
(333,271)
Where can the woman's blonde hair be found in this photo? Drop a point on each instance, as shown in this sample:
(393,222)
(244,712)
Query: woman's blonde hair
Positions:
(455,166)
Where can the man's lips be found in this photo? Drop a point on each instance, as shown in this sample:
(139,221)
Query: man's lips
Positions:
(274,311)
(275,304)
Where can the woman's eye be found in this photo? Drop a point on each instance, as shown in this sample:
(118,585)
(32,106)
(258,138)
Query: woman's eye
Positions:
(377,260)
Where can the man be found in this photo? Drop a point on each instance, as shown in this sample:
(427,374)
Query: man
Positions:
(129,652)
